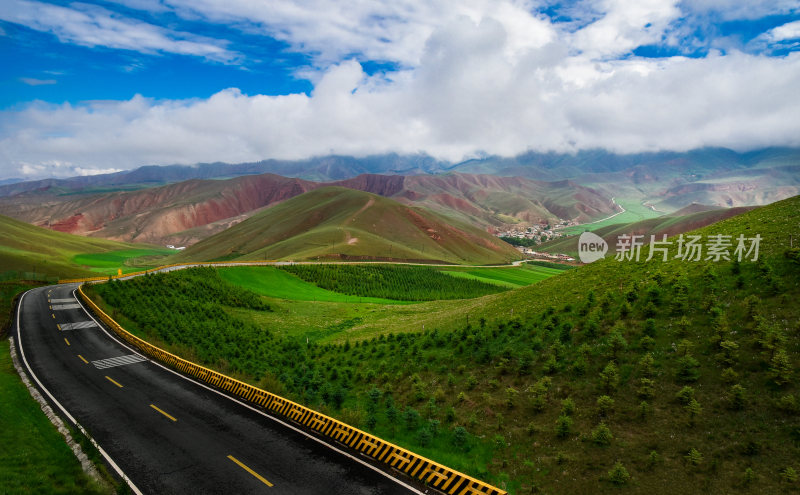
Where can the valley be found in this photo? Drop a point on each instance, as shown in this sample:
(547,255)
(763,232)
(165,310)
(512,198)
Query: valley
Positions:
(389,305)
(568,375)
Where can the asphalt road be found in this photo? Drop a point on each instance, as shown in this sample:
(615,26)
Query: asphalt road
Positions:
(166,433)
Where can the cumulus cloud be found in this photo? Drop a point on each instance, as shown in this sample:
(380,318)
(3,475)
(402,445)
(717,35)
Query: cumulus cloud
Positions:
(788,31)
(89,25)
(465,96)
(482,77)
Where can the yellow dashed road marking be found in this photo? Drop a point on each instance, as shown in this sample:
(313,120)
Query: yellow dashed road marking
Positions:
(83,359)
(162,412)
(113,381)
(65,340)
(258,476)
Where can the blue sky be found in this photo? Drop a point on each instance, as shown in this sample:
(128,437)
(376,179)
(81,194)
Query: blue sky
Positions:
(91,87)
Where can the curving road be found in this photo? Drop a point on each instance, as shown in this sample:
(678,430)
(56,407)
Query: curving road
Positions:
(164,432)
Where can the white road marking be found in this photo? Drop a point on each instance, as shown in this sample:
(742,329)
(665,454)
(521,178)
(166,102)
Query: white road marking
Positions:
(67,300)
(58,307)
(72,420)
(78,325)
(118,361)
(248,406)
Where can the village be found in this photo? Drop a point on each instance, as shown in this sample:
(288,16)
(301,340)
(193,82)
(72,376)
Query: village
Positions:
(524,238)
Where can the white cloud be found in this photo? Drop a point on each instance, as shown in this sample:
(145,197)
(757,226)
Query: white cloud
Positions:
(89,25)
(741,10)
(788,31)
(32,81)
(393,31)
(465,96)
(479,76)
(625,26)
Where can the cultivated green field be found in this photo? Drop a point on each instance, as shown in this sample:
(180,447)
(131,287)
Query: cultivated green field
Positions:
(279,284)
(129,260)
(634,212)
(512,277)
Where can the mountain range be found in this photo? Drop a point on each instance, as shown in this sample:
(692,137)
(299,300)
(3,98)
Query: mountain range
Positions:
(185,212)
(345,224)
(183,205)
(724,177)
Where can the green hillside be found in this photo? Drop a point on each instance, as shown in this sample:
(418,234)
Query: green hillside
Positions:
(616,377)
(336,223)
(672,224)
(26,249)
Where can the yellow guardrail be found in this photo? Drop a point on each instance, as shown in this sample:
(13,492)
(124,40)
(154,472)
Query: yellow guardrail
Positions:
(436,475)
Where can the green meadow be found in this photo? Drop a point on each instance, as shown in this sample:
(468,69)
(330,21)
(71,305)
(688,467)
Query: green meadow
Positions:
(634,212)
(128,260)
(34,457)
(511,277)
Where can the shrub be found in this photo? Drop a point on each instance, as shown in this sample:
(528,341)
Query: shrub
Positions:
(694,457)
(789,475)
(618,474)
(748,477)
(687,369)
(605,405)
(736,397)
(411,418)
(424,437)
(729,375)
(602,435)
(647,365)
(780,369)
(685,395)
(693,410)
(653,459)
(567,407)
(563,426)
(616,343)
(459,436)
(650,327)
(609,378)
(646,389)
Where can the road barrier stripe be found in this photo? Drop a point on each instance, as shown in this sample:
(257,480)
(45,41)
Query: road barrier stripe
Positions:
(415,466)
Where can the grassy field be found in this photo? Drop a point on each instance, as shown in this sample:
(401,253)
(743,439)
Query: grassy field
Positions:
(634,212)
(279,284)
(512,277)
(34,457)
(334,223)
(683,375)
(29,249)
(129,260)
